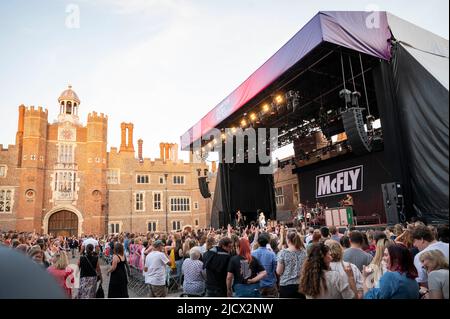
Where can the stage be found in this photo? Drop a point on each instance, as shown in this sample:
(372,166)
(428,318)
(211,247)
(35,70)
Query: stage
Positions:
(355,103)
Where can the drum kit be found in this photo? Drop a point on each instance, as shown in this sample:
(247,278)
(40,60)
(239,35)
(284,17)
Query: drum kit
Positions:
(310,216)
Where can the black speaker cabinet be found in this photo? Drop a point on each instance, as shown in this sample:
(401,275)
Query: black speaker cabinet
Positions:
(204,187)
(391,201)
(354,128)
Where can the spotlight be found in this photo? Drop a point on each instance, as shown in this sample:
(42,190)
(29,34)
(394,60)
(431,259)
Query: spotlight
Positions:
(233,130)
(266,108)
(252,117)
(224,136)
(279,99)
(243,123)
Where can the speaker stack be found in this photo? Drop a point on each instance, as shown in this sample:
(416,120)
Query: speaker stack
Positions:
(393,202)
(354,128)
(204,187)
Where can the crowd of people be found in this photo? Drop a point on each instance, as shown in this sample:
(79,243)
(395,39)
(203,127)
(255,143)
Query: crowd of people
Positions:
(403,262)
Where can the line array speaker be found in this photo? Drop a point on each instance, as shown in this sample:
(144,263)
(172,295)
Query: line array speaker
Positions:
(354,128)
(204,187)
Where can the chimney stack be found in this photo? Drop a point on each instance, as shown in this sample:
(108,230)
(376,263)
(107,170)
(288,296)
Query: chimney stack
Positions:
(130,145)
(167,149)
(127,145)
(140,144)
(123,143)
(161,151)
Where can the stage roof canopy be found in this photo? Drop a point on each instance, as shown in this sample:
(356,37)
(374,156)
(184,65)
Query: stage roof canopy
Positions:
(370,33)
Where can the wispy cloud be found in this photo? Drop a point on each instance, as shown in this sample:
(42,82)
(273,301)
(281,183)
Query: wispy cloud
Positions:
(172,78)
(173,8)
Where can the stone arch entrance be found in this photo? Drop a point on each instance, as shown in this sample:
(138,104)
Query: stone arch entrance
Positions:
(69,208)
(63,223)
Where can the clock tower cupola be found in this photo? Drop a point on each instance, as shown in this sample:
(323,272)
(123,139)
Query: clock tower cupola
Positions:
(69,104)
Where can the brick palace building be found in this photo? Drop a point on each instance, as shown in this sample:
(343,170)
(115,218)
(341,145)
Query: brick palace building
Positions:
(59,178)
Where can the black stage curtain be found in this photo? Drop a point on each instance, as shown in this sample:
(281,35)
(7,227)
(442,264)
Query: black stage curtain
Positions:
(393,138)
(217,208)
(423,108)
(241,186)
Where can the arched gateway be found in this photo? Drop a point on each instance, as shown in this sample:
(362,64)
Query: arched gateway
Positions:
(63,223)
(62,220)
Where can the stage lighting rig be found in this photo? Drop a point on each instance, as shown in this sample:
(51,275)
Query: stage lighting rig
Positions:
(244,122)
(279,99)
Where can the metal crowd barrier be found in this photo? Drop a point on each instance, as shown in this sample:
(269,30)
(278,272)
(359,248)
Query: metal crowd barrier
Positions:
(136,282)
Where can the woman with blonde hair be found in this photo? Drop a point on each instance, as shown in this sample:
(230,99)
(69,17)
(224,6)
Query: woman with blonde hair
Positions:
(186,249)
(436,265)
(337,264)
(399,281)
(137,253)
(378,267)
(60,271)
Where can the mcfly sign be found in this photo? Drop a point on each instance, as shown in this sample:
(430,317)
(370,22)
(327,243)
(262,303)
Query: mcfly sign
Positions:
(345,181)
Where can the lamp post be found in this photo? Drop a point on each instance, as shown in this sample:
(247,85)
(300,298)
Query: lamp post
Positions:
(167,205)
(131,202)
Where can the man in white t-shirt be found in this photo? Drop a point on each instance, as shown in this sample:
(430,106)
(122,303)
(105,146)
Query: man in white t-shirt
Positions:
(90,240)
(310,235)
(423,239)
(155,270)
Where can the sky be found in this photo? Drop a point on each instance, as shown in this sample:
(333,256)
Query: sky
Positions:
(160,64)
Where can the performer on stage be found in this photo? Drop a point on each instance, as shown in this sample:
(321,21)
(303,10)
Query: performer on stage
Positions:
(347,201)
(299,215)
(239,219)
(308,217)
(319,208)
(262,220)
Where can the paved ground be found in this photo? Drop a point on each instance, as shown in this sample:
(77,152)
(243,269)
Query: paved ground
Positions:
(104,268)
